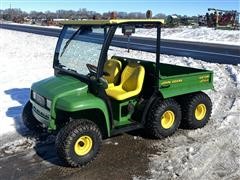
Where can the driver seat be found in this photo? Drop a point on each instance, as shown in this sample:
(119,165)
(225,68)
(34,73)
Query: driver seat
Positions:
(113,67)
(131,82)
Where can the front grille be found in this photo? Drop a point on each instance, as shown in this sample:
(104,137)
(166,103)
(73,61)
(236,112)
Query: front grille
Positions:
(45,116)
(41,114)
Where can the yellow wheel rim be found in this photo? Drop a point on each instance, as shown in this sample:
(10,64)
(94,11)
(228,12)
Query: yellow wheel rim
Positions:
(83,145)
(167,119)
(200,112)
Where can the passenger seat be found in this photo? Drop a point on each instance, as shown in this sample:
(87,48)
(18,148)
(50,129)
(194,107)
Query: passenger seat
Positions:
(131,83)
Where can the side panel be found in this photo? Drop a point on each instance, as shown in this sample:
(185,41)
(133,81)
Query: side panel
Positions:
(184,84)
(73,103)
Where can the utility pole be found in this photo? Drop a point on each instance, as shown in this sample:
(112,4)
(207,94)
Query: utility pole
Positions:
(10,11)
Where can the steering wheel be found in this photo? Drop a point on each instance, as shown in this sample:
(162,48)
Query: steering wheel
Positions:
(92,69)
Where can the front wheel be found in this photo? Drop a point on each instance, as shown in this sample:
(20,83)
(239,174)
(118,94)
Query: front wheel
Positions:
(29,120)
(78,143)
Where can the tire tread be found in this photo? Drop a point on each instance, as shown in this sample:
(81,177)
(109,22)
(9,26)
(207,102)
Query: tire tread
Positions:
(153,119)
(66,133)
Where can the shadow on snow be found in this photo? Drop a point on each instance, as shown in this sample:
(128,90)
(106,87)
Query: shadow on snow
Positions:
(21,95)
(44,146)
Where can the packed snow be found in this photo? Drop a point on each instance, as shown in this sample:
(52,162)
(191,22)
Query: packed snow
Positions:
(208,153)
(184,33)
(28,24)
(201,34)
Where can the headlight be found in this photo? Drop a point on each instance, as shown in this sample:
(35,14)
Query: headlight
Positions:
(49,104)
(34,95)
(42,101)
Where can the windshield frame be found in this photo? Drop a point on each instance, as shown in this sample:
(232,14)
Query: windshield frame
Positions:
(56,64)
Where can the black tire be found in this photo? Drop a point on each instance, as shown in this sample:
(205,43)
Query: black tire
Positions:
(154,123)
(189,104)
(29,120)
(68,137)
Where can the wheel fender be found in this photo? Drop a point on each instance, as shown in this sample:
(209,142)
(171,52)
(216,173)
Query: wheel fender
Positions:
(84,102)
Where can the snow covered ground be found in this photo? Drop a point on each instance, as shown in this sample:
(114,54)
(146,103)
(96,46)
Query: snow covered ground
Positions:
(28,24)
(184,33)
(201,34)
(24,58)
(208,153)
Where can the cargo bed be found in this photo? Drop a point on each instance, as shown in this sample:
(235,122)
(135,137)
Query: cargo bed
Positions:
(177,80)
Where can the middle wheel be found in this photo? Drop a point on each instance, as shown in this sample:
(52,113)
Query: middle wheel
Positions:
(164,118)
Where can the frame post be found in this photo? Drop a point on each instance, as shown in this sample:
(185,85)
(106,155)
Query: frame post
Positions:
(158,55)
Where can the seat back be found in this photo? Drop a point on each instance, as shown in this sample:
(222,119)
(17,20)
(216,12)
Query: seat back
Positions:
(113,67)
(132,77)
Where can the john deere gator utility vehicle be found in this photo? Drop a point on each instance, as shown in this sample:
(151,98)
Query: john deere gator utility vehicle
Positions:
(98,90)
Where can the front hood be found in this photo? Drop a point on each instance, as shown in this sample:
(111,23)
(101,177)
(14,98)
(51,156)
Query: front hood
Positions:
(59,86)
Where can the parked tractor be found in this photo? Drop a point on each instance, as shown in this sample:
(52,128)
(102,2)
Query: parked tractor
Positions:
(220,19)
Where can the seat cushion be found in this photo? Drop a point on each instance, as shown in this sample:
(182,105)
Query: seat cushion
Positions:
(116,92)
(113,67)
(131,83)
(119,94)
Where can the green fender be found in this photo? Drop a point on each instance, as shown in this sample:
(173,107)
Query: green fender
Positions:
(84,101)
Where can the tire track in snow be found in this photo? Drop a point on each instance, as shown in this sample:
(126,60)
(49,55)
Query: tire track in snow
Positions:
(225,96)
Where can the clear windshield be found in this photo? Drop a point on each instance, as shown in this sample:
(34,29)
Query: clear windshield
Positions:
(80,46)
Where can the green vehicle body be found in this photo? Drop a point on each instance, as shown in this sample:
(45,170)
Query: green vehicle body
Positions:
(69,95)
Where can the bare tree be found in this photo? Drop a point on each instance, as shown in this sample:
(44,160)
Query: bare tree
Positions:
(160,16)
(136,15)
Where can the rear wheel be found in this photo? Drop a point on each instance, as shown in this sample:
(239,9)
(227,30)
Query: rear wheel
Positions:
(196,110)
(164,118)
(78,142)
(29,120)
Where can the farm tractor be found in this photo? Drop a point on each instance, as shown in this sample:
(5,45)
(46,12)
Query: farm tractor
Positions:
(220,19)
(96,94)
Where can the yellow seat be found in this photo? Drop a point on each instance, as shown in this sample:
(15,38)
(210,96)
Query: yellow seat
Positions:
(113,67)
(131,82)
